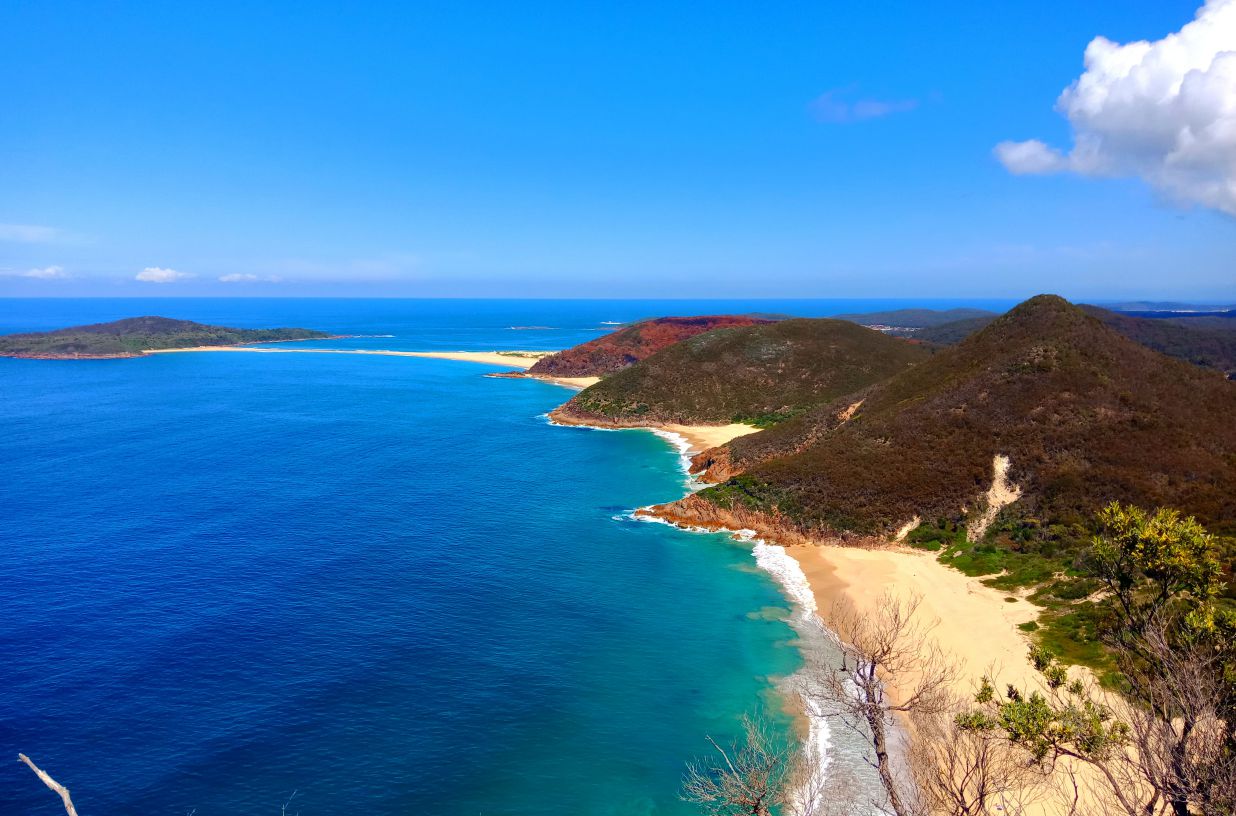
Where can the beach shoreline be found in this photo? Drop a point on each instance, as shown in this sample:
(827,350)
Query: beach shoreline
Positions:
(146,352)
(971,621)
(698,438)
(975,626)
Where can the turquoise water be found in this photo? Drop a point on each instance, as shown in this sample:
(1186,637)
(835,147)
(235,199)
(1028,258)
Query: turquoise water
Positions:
(384,583)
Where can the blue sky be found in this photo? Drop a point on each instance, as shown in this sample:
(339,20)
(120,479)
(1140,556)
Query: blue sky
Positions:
(574,150)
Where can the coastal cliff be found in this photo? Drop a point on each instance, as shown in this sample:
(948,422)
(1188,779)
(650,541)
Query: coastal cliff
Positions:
(692,511)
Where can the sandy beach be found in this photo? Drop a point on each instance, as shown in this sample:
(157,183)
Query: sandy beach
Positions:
(511,359)
(702,437)
(976,624)
(264,350)
(514,359)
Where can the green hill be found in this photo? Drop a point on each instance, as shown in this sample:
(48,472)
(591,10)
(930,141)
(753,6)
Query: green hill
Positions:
(1084,415)
(760,374)
(133,336)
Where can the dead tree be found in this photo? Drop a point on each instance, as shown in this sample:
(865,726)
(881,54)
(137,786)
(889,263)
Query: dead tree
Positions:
(752,776)
(889,667)
(958,771)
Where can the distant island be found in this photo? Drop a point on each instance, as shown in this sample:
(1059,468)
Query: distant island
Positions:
(134,336)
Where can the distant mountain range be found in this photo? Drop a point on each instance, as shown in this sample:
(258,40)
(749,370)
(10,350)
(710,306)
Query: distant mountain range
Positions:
(133,336)
(915,318)
(1167,306)
(1204,339)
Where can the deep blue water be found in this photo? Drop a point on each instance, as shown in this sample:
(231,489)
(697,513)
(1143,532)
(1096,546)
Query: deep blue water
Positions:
(385,583)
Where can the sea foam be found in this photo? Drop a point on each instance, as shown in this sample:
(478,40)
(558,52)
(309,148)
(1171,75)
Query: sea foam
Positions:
(788,573)
(816,638)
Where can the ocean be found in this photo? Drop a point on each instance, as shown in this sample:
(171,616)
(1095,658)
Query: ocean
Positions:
(364,584)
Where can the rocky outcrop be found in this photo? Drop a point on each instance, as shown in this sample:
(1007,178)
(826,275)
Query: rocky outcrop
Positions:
(696,512)
(569,414)
(714,465)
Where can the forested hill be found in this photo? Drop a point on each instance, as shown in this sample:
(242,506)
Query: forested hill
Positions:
(1085,416)
(133,336)
(633,343)
(760,374)
(1202,344)
(1201,341)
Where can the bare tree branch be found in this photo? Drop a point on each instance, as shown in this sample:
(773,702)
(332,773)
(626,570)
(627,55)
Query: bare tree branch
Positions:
(757,774)
(51,783)
(891,647)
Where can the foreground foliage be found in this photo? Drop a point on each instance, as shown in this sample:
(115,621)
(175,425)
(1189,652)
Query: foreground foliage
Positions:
(1162,743)
(1165,743)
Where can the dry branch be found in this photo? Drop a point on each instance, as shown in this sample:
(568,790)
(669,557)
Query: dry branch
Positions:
(51,783)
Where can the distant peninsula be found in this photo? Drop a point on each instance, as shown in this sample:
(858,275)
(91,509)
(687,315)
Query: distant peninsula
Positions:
(632,343)
(134,336)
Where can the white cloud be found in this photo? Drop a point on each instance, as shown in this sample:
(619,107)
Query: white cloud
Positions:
(1164,111)
(155,274)
(1030,158)
(27,233)
(832,106)
(46,273)
(245,277)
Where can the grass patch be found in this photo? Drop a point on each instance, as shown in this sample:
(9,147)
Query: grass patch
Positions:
(1073,635)
(1068,624)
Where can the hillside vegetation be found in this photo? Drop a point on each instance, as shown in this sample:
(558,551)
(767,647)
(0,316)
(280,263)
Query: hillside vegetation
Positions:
(1209,344)
(132,336)
(1085,416)
(760,374)
(633,343)
(950,334)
